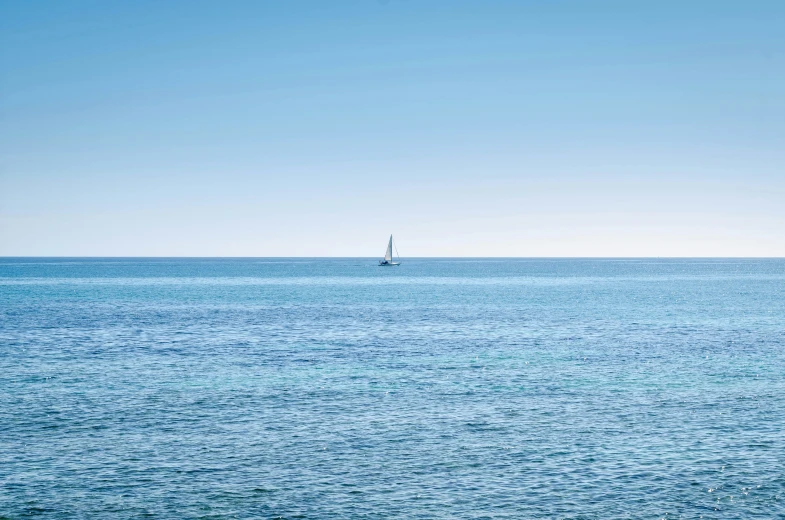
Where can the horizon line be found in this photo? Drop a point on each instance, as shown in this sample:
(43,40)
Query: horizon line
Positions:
(409,257)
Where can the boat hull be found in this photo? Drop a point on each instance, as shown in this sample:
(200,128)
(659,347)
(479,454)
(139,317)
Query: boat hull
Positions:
(389,264)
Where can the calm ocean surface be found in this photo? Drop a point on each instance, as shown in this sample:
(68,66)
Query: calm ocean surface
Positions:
(296,388)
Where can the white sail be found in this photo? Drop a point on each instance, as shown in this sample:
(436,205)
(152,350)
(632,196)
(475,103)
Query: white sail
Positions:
(388,254)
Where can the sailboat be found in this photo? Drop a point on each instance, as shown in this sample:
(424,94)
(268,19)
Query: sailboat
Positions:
(388,255)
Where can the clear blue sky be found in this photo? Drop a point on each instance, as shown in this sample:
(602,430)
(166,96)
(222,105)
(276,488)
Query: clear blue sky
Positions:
(484,128)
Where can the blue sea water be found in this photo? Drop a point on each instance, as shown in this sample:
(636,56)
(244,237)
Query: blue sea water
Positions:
(443,388)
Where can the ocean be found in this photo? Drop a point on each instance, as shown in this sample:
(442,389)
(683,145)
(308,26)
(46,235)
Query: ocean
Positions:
(443,388)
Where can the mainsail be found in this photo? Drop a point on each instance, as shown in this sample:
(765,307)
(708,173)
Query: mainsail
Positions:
(388,254)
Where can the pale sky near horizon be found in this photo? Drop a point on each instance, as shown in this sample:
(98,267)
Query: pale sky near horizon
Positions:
(297,128)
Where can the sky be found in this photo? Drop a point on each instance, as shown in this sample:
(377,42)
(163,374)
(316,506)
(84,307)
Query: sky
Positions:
(483,128)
